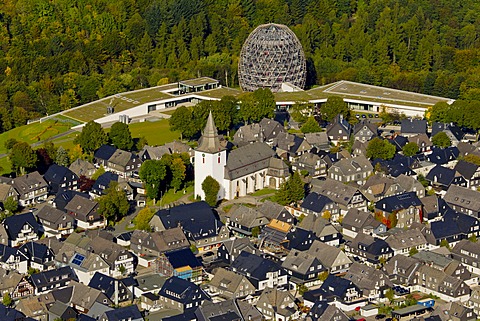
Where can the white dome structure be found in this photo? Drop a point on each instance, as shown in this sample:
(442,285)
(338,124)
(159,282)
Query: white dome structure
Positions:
(271,55)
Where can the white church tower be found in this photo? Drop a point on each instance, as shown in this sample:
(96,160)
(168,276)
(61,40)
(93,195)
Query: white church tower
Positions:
(210,159)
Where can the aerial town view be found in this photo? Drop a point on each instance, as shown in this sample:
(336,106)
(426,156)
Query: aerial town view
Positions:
(239,160)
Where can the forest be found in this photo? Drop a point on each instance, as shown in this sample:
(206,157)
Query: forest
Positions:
(57,54)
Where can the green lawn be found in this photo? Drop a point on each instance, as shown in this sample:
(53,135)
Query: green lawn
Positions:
(170,197)
(5,166)
(156,133)
(34,132)
(265,191)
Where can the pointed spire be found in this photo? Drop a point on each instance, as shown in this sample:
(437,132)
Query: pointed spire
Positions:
(210,142)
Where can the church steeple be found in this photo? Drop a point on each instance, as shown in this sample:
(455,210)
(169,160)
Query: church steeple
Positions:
(210,142)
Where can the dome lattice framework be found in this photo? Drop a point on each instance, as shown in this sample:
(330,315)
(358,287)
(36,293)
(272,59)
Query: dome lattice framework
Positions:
(271,55)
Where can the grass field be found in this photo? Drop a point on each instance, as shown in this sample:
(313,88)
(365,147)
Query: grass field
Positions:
(34,132)
(156,133)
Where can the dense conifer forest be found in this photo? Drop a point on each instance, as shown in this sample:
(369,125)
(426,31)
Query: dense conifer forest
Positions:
(57,54)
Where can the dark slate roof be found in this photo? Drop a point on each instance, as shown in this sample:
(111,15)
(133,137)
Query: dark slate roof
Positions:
(15,223)
(316,202)
(300,239)
(43,278)
(185,290)
(336,287)
(127,236)
(10,314)
(414,126)
(181,258)
(36,252)
(84,317)
(104,152)
(195,218)
(106,283)
(57,173)
(64,196)
(6,252)
(443,155)
(398,202)
(318,308)
(398,141)
(454,129)
(466,169)
(124,313)
(257,266)
(441,175)
(103,181)
(398,165)
(188,315)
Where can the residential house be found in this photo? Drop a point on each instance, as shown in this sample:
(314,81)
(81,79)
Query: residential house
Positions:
(402,241)
(344,195)
(342,293)
(247,134)
(82,168)
(316,204)
(261,272)
(272,210)
(116,290)
(84,263)
(148,246)
(431,206)
(300,239)
(274,234)
(103,154)
(322,228)
(369,250)
(19,229)
(290,147)
(398,141)
(24,288)
(468,253)
(402,269)
(123,163)
(332,258)
(312,164)
(449,288)
(365,131)
(339,130)
(33,308)
(278,305)
(357,221)
(7,191)
(62,311)
(444,177)
(423,142)
(55,222)
(182,295)
(322,311)
(411,127)
(119,259)
(302,267)
(225,310)
(270,130)
(470,172)
(347,170)
(453,132)
(11,259)
(130,313)
(453,227)
(371,281)
(458,312)
(85,213)
(63,197)
(463,200)
(9,280)
(153,152)
(359,148)
(230,285)
(39,256)
(180,263)
(198,222)
(318,140)
(474,301)
(232,248)
(404,209)
(102,183)
(245,221)
(60,178)
(52,279)
(82,298)
(398,165)
(31,188)
(443,156)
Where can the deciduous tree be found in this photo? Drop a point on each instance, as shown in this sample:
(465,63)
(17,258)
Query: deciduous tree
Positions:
(380,148)
(310,126)
(22,157)
(92,137)
(120,136)
(114,204)
(334,106)
(210,187)
(142,220)
(410,149)
(152,173)
(441,140)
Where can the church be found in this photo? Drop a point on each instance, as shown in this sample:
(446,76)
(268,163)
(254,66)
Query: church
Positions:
(240,171)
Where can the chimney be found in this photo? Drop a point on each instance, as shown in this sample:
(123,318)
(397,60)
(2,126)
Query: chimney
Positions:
(116,292)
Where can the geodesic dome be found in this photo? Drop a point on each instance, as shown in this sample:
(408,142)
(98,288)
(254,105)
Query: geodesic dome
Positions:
(271,55)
